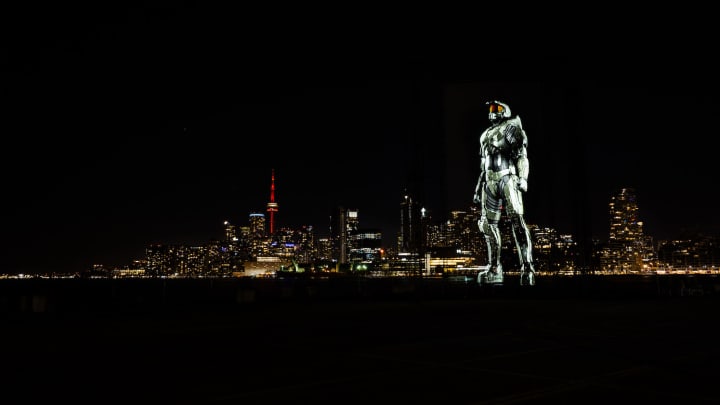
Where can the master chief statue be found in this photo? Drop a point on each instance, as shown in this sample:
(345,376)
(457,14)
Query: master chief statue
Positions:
(504,170)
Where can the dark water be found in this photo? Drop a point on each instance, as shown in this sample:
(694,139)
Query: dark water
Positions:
(569,340)
(52,295)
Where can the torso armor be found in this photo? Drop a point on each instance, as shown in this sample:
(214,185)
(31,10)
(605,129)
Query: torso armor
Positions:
(501,145)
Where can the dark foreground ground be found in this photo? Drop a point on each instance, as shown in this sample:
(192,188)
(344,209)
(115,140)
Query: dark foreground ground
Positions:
(359,341)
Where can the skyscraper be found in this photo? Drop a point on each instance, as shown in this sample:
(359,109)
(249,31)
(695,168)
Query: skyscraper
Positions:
(409,240)
(257,225)
(627,246)
(230,235)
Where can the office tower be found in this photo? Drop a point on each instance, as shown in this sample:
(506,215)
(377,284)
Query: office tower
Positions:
(345,223)
(365,248)
(257,225)
(230,235)
(462,230)
(626,246)
(409,239)
(351,220)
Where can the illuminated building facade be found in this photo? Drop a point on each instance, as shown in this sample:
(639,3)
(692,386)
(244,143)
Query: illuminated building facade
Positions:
(366,250)
(257,234)
(230,235)
(410,237)
(257,225)
(627,250)
(348,220)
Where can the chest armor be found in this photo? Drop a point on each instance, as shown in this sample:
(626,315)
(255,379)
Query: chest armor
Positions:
(495,140)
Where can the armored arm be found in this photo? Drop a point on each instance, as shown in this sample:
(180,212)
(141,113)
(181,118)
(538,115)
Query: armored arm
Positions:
(523,168)
(481,178)
(515,136)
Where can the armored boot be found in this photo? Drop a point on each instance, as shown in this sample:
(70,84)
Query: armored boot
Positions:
(527,274)
(493,275)
(494,272)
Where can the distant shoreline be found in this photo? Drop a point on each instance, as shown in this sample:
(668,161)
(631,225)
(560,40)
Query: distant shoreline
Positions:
(73,295)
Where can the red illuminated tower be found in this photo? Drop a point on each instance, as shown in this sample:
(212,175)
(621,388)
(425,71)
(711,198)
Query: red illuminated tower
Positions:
(272,206)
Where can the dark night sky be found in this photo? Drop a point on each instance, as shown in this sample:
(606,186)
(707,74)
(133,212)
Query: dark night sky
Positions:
(154,125)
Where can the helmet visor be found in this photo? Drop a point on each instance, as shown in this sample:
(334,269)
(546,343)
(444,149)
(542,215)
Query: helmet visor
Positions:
(496,108)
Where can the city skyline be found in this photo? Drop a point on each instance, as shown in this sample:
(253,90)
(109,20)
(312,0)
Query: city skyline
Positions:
(629,248)
(156,125)
(149,147)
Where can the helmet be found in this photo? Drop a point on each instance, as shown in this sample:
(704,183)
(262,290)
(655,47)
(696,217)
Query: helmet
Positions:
(498,111)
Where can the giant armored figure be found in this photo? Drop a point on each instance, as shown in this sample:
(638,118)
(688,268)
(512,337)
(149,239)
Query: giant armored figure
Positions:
(504,170)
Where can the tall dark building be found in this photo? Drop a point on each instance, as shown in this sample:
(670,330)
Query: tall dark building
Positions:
(347,222)
(342,236)
(410,237)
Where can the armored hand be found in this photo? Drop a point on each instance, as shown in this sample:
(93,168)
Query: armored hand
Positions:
(522,184)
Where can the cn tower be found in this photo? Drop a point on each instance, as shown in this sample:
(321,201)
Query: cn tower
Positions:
(272,206)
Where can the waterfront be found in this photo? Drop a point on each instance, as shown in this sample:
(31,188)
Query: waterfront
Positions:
(262,341)
(61,295)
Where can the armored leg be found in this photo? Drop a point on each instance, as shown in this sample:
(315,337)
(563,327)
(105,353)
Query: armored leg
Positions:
(523,243)
(494,272)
